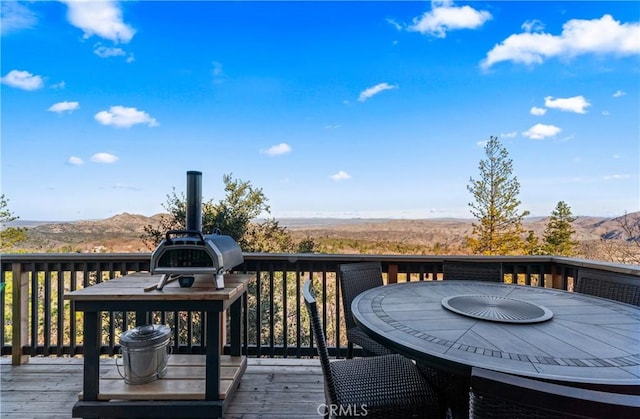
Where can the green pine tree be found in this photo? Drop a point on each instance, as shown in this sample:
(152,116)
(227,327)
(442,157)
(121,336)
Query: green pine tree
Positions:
(499,231)
(557,238)
(532,244)
(234,216)
(9,236)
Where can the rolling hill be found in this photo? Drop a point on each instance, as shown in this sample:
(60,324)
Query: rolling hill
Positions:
(121,233)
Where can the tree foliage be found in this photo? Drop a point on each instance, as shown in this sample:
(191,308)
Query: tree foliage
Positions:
(621,245)
(499,229)
(9,236)
(630,225)
(532,245)
(233,215)
(557,238)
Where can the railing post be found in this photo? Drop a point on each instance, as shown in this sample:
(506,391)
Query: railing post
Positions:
(392,274)
(19,314)
(556,278)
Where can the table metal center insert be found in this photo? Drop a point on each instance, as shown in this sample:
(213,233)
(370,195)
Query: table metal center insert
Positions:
(497,309)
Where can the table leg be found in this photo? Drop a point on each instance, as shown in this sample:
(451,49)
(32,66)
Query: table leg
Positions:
(212,375)
(91,349)
(236,330)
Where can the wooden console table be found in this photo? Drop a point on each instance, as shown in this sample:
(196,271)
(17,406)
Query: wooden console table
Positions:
(195,386)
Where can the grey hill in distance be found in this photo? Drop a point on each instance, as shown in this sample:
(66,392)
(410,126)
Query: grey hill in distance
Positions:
(121,233)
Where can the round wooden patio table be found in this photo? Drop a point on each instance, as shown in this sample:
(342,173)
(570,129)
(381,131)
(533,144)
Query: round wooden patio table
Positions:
(531,331)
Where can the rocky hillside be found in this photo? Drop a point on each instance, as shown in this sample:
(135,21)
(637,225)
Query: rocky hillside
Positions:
(122,232)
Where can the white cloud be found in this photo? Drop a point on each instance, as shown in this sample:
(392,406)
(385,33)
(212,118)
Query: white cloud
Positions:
(76,161)
(532,26)
(22,80)
(106,52)
(119,116)
(341,175)
(619,93)
(394,24)
(218,72)
(277,150)
(482,143)
(64,107)
(541,131)
(105,158)
(59,85)
(606,113)
(537,111)
(217,69)
(615,177)
(575,104)
(567,138)
(372,91)
(578,37)
(445,17)
(511,134)
(101,18)
(15,16)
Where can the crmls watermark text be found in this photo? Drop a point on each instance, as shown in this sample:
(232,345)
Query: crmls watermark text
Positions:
(354,410)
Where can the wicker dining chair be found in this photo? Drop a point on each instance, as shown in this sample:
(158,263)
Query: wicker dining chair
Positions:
(608,285)
(475,271)
(388,386)
(503,396)
(354,279)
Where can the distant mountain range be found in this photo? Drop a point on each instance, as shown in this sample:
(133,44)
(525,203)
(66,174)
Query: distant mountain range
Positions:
(121,233)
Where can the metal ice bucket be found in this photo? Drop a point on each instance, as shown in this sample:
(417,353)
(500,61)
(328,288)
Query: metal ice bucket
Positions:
(145,353)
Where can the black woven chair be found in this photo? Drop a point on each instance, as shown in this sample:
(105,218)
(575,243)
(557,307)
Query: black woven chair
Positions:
(354,279)
(475,271)
(452,389)
(496,395)
(386,386)
(608,285)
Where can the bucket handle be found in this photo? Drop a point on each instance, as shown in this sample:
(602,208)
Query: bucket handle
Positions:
(160,367)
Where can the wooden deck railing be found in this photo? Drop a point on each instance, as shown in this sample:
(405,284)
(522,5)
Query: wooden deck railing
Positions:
(38,321)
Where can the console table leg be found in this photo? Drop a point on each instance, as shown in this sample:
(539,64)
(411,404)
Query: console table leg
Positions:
(91,356)
(212,376)
(236,321)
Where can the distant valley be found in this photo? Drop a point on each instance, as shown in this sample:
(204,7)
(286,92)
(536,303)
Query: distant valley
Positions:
(121,233)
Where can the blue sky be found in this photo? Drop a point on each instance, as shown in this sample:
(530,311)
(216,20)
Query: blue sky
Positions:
(334,109)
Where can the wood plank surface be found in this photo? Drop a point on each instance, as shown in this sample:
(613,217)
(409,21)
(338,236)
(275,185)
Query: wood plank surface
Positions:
(184,381)
(132,287)
(269,388)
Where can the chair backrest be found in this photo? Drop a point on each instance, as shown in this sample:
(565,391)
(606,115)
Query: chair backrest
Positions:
(318,333)
(498,395)
(609,285)
(475,271)
(354,279)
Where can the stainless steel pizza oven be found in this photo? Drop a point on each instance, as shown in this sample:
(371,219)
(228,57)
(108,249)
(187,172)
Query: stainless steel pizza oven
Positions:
(185,253)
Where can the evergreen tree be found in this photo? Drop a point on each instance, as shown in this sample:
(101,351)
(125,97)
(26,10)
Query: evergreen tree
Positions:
(232,216)
(499,231)
(558,233)
(9,236)
(532,245)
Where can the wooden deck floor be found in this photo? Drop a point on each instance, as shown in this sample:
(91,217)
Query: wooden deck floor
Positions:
(270,388)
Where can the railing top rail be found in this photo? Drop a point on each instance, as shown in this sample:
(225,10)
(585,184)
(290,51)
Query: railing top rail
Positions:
(22,257)
(293,258)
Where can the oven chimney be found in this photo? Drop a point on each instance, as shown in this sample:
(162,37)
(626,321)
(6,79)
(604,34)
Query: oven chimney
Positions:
(194,201)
